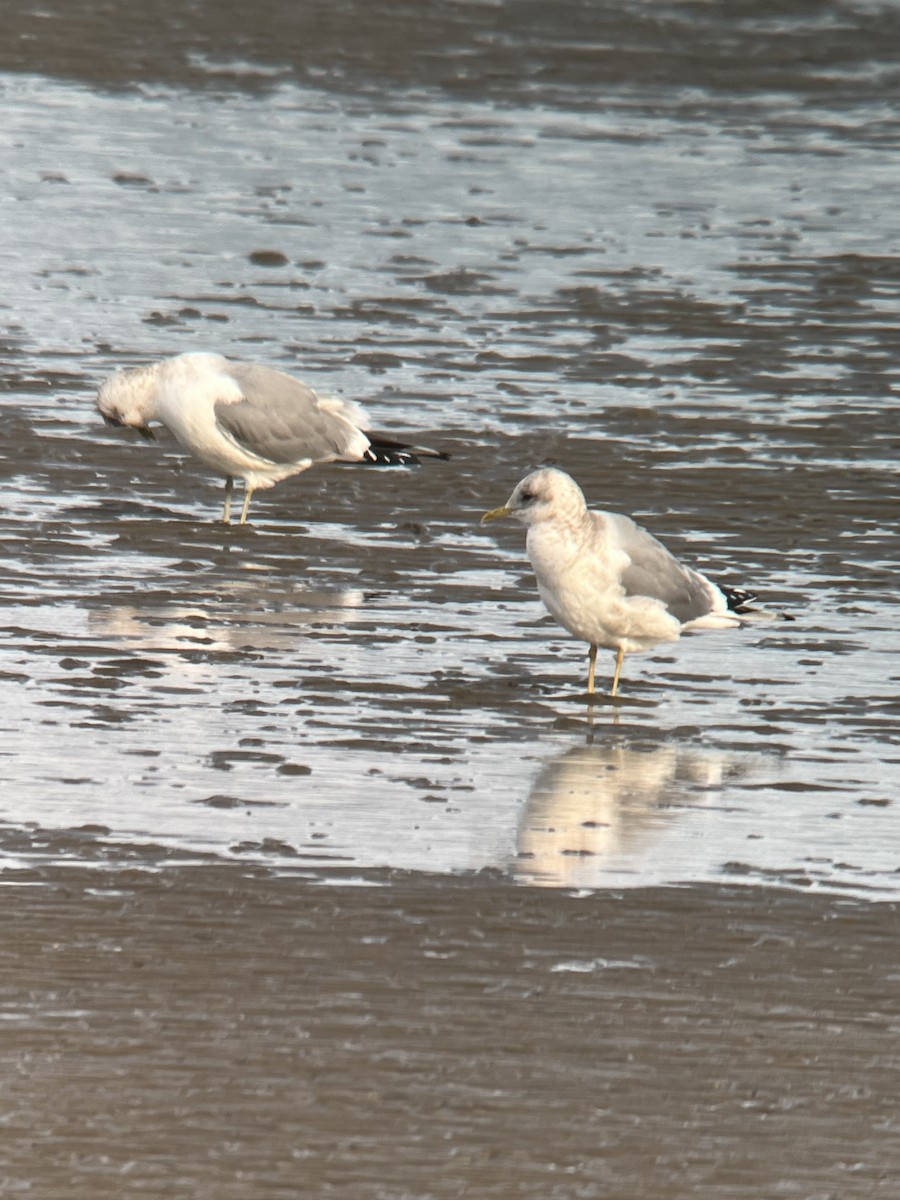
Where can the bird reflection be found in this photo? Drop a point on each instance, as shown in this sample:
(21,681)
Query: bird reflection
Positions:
(593,808)
(250,620)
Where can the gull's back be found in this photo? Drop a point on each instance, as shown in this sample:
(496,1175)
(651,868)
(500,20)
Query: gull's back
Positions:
(610,582)
(284,421)
(651,570)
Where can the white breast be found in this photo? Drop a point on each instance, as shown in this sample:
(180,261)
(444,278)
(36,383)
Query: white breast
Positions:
(581,588)
(186,400)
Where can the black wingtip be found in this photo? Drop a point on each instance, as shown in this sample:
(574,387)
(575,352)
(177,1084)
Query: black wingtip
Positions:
(738,599)
(383,452)
(740,602)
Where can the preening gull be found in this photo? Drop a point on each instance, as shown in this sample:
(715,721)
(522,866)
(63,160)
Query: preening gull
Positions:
(247,420)
(607,580)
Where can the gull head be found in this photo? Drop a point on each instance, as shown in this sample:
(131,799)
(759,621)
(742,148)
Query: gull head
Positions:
(127,398)
(545,495)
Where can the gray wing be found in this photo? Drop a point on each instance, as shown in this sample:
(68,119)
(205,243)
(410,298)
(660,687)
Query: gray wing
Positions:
(280,419)
(653,571)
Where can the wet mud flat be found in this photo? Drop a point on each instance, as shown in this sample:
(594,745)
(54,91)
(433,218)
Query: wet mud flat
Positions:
(223,1031)
(366,673)
(650,244)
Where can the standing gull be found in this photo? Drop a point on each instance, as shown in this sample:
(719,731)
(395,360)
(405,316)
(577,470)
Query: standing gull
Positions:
(608,581)
(247,420)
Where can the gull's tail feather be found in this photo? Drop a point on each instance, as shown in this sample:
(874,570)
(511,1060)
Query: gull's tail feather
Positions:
(740,602)
(384,452)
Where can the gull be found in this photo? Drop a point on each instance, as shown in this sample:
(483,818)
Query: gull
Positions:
(247,420)
(608,581)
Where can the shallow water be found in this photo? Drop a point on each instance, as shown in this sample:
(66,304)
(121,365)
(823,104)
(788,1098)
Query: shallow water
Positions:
(653,244)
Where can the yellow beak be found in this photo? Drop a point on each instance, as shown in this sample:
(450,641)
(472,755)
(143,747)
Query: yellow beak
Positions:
(494,513)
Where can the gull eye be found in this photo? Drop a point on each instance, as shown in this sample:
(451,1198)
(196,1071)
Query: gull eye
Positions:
(527,497)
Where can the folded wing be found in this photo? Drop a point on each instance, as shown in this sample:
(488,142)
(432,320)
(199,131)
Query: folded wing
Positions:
(654,572)
(282,420)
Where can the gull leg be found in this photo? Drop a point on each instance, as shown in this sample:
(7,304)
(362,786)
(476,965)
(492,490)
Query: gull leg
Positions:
(248,492)
(620,658)
(592,665)
(229,488)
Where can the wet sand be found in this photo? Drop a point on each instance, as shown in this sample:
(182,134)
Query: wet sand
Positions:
(366,673)
(216,1031)
(322,879)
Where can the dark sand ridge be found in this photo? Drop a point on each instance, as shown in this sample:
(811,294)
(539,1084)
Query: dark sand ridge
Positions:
(214,1031)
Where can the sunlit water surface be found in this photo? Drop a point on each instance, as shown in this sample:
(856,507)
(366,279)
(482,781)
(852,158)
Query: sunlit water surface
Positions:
(688,300)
